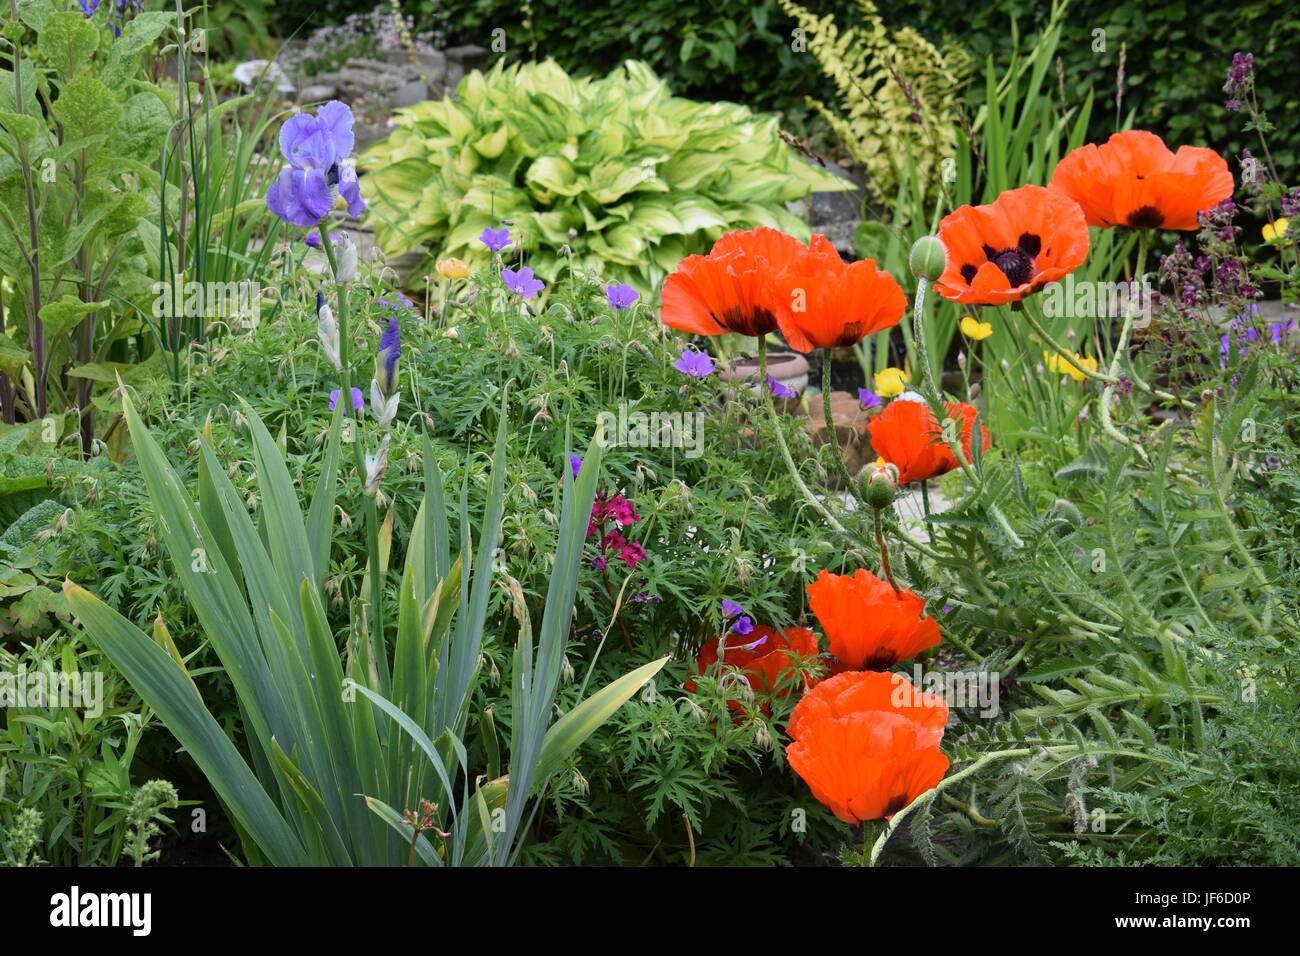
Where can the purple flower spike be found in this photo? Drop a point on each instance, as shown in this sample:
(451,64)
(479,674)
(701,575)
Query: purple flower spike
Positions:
(522,282)
(869,399)
(621,296)
(697,364)
(779,390)
(390,350)
(358,402)
(495,239)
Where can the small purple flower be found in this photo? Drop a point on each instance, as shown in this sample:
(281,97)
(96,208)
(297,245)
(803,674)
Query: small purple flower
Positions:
(575,462)
(88,7)
(779,390)
(697,364)
(313,238)
(357,401)
(947,609)
(869,399)
(731,609)
(522,282)
(495,239)
(742,626)
(621,296)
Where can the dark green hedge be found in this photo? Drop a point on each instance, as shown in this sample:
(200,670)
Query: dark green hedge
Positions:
(1177,53)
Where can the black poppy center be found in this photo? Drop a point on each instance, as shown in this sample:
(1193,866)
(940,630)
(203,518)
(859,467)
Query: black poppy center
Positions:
(1147,217)
(895,804)
(754,320)
(1016,263)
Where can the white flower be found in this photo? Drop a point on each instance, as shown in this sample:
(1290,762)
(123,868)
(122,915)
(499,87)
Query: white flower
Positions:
(384,410)
(346,252)
(376,465)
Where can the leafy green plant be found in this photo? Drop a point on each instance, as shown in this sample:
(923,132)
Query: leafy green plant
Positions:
(323,730)
(628,177)
(897,105)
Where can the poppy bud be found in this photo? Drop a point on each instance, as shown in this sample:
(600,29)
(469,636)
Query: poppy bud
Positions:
(928,258)
(882,479)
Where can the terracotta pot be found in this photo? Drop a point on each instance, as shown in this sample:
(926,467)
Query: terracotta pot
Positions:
(788,368)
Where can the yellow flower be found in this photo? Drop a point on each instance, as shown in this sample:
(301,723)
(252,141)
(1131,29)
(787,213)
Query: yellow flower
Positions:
(452,269)
(1276,231)
(891,382)
(1058,365)
(974,329)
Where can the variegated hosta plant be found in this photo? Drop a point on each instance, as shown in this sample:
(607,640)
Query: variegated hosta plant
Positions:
(359,753)
(629,177)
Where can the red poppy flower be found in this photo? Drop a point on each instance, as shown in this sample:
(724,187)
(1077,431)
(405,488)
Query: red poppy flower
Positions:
(857,691)
(869,625)
(906,435)
(762,656)
(733,288)
(834,304)
(1004,251)
(868,765)
(1134,180)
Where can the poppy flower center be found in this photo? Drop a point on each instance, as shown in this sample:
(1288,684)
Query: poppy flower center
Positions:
(1016,263)
(1146,217)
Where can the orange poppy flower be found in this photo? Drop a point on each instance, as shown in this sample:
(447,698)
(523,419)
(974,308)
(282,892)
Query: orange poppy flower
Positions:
(1134,180)
(762,655)
(869,625)
(906,435)
(868,765)
(834,304)
(733,288)
(857,691)
(1004,251)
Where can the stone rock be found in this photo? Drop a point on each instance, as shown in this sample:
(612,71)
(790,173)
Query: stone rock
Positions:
(837,207)
(317,93)
(410,93)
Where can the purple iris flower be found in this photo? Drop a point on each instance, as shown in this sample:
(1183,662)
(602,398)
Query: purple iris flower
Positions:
(390,350)
(316,147)
(779,390)
(697,364)
(313,238)
(357,400)
(575,462)
(869,399)
(495,239)
(522,282)
(621,296)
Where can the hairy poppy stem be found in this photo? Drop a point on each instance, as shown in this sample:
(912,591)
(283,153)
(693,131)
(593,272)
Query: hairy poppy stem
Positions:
(850,484)
(779,431)
(884,553)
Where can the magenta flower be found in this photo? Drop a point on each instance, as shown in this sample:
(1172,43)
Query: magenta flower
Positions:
(522,282)
(632,553)
(495,239)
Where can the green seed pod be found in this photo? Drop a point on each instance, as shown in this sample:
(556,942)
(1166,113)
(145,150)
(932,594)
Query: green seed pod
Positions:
(928,258)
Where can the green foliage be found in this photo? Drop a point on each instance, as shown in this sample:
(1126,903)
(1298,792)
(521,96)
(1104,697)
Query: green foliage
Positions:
(897,108)
(628,177)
